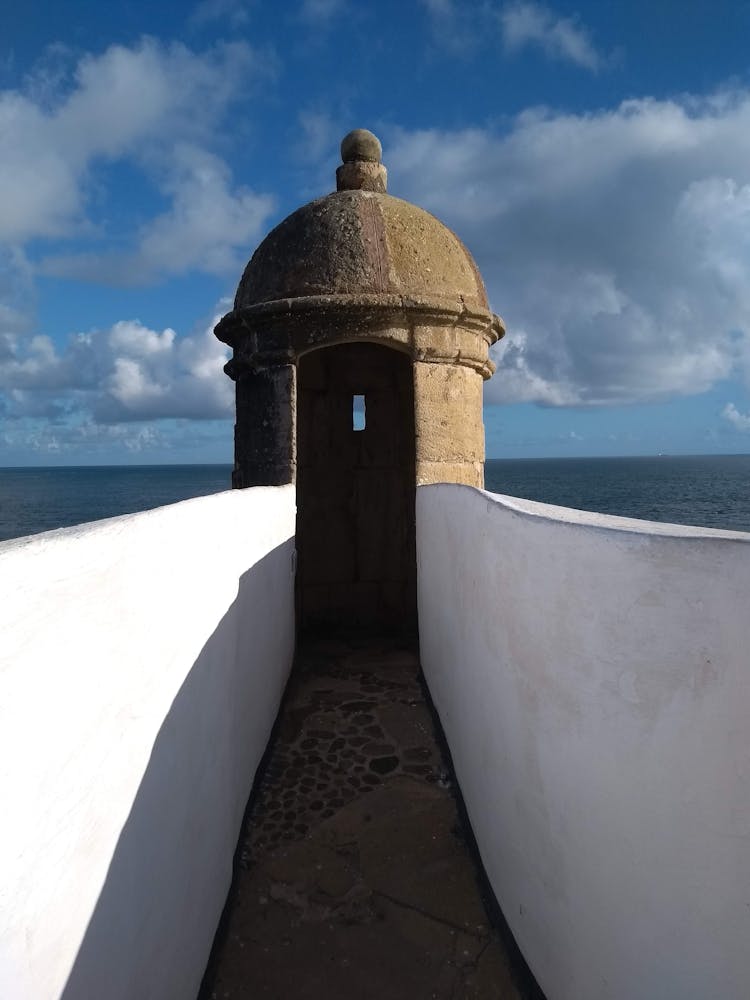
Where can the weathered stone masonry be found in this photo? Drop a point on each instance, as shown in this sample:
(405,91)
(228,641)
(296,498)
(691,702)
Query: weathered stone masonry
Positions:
(382,276)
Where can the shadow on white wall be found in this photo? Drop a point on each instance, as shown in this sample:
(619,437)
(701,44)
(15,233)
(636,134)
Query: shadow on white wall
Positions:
(154,921)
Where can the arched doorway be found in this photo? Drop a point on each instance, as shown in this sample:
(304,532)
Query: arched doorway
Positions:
(355,490)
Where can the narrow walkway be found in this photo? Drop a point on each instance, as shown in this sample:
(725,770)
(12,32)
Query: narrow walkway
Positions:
(354,879)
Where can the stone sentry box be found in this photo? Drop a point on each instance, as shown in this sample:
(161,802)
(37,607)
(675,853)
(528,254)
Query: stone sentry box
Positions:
(359,294)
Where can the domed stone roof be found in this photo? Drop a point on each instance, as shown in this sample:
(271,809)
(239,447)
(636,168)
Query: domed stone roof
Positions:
(360,293)
(360,263)
(363,243)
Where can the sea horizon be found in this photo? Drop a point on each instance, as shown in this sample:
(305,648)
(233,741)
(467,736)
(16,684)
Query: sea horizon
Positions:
(488,458)
(709,490)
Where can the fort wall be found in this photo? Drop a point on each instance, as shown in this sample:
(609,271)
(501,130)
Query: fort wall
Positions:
(143,661)
(590,672)
(592,676)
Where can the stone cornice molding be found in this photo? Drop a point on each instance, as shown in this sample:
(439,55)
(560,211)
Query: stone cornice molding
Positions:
(434,329)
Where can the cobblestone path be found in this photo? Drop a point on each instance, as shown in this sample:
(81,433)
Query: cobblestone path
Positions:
(354,881)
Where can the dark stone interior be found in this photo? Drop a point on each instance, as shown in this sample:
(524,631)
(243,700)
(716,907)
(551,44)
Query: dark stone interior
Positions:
(355,492)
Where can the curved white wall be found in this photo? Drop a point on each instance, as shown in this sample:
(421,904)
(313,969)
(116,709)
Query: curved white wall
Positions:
(142,663)
(592,675)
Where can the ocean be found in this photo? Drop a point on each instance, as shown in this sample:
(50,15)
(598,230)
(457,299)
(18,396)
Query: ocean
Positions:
(710,491)
(33,500)
(706,490)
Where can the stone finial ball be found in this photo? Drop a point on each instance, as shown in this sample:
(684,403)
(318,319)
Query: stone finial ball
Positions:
(361,145)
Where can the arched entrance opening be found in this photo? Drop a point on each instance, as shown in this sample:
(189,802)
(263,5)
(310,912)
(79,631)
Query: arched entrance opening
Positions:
(355,490)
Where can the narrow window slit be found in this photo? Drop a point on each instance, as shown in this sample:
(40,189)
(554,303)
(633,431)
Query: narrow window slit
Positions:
(359,416)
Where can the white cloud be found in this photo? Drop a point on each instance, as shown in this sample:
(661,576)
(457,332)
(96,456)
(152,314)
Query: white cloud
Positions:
(135,103)
(527,24)
(740,421)
(520,382)
(184,380)
(615,244)
(158,109)
(127,373)
(133,339)
(208,227)
(76,437)
(143,439)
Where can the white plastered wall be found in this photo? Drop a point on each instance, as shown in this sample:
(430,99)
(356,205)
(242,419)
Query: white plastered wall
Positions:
(592,675)
(142,661)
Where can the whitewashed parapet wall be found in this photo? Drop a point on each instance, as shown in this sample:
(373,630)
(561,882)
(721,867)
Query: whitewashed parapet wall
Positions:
(142,660)
(592,675)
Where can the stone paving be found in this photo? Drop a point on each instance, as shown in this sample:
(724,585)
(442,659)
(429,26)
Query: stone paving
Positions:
(354,879)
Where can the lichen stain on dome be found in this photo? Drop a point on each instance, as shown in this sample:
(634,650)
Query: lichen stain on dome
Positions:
(361,242)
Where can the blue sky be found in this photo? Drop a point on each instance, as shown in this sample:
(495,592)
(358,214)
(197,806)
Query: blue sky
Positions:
(595,158)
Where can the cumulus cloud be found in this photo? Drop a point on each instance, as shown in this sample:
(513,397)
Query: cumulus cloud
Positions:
(740,421)
(156,106)
(615,244)
(181,377)
(158,110)
(208,227)
(525,24)
(53,438)
(127,373)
